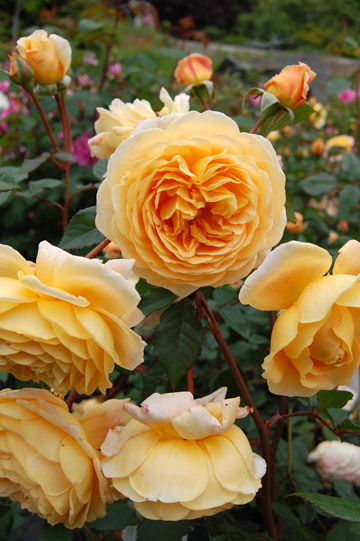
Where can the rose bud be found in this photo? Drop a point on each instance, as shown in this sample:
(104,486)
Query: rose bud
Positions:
(290,86)
(193,69)
(299,226)
(337,460)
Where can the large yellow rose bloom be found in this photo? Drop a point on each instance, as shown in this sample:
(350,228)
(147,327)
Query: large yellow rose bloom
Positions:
(66,320)
(180,458)
(193,201)
(315,340)
(50,56)
(46,460)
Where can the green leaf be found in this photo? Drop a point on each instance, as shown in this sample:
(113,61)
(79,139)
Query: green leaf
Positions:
(290,214)
(119,516)
(345,490)
(336,507)
(37,186)
(337,85)
(350,164)
(351,425)
(283,511)
(6,521)
(56,533)
(348,199)
(177,342)
(302,533)
(341,533)
(31,165)
(64,156)
(318,184)
(14,172)
(302,112)
(99,169)
(156,299)
(7,182)
(88,25)
(81,231)
(142,287)
(333,399)
(162,531)
(236,319)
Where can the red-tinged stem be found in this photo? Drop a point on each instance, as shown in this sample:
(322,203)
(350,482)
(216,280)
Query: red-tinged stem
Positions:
(206,105)
(117,388)
(260,425)
(81,191)
(91,533)
(46,123)
(142,370)
(65,122)
(98,249)
(41,199)
(275,443)
(335,431)
(71,399)
(190,380)
(257,125)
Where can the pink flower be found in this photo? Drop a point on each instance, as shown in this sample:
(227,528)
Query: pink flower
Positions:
(82,150)
(347,96)
(3,127)
(254,102)
(4,86)
(84,80)
(90,58)
(115,69)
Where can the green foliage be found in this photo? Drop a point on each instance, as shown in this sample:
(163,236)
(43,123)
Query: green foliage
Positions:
(156,299)
(336,507)
(119,516)
(81,231)
(318,184)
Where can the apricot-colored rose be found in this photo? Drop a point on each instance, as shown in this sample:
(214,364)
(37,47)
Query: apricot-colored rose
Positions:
(67,320)
(337,460)
(180,458)
(299,226)
(117,124)
(193,201)
(47,462)
(290,86)
(193,69)
(50,56)
(315,340)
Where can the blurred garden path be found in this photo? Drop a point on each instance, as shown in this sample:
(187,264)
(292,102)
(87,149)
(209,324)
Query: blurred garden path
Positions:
(247,59)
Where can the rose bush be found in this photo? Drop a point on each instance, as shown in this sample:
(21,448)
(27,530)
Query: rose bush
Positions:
(180,458)
(193,201)
(117,124)
(46,460)
(49,56)
(291,86)
(66,320)
(337,460)
(315,340)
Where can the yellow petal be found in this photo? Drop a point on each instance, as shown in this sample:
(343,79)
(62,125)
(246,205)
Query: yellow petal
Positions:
(12,291)
(26,319)
(33,284)
(45,438)
(77,467)
(98,420)
(284,274)
(11,262)
(348,260)
(161,408)
(161,511)
(124,487)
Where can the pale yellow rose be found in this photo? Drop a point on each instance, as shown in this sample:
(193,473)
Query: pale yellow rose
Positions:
(193,201)
(290,86)
(318,118)
(180,458)
(67,321)
(193,69)
(337,460)
(47,461)
(347,142)
(117,124)
(50,56)
(315,340)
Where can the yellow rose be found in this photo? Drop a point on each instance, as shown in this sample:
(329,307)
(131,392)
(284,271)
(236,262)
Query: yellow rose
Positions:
(193,201)
(50,56)
(180,458)
(117,124)
(290,86)
(315,340)
(66,321)
(347,142)
(47,462)
(193,69)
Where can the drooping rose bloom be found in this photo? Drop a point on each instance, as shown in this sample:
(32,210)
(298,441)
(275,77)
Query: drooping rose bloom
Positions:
(315,340)
(180,458)
(67,320)
(193,201)
(49,56)
(117,124)
(47,461)
(291,86)
(337,460)
(193,69)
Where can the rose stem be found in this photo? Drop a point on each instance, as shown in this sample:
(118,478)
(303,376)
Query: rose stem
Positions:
(275,443)
(71,399)
(98,249)
(260,425)
(190,380)
(68,147)
(45,121)
(257,125)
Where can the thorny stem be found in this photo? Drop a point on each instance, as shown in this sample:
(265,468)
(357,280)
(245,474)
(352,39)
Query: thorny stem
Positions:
(98,249)
(260,425)
(46,123)
(71,399)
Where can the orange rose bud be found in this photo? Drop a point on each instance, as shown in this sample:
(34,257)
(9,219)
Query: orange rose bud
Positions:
(193,69)
(290,86)
(343,226)
(318,146)
(299,226)
(333,236)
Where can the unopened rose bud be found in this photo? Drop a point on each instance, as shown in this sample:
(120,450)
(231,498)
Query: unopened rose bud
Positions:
(343,226)
(318,146)
(194,69)
(290,86)
(337,460)
(21,72)
(333,236)
(273,136)
(111,251)
(299,226)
